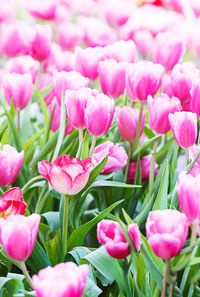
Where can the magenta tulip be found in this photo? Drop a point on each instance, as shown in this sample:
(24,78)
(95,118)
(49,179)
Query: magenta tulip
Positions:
(69,35)
(20,229)
(188,191)
(169,49)
(184,128)
(127,121)
(195,97)
(110,234)
(69,278)
(159,109)
(67,176)
(99,115)
(18,87)
(112,77)
(117,157)
(166,232)
(143,79)
(10,165)
(11,203)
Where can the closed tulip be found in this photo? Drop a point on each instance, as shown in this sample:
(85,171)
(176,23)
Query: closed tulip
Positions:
(188,191)
(127,121)
(69,35)
(159,109)
(70,280)
(10,165)
(166,232)
(18,87)
(117,157)
(122,51)
(67,176)
(169,49)
(195,97)
(143,79)
(11,203)
(112,77)
(184,128)
(110,234)
(21,230)
(99,115)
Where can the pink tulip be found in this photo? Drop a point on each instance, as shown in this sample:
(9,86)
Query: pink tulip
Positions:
(44,10)
(14,39)
(112,77)
(184,128)
(7,10)
(122,51)
(76,102)
(127,121)
(144,42)
(145,164)
(189,195)
(10,165)
(110,234)
(166,232)
(20,229)
(194,171)
(46,80)
(159,109)
(195,97)
(116,12)
(18,87)
(143,79)
(22,65)
(69,278)
(55,122)
(69,35)
(117,157)
(99,114)
(87,61)
(193,151)
(67,176)
(11,203)
(169,49)
(41,39)
(71,80)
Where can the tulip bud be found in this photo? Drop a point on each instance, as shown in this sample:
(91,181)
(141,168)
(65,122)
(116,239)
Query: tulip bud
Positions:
(184,128)
(69,35)
(127,121)
(122,51)
(159,109)
(166,232)
(11,163)
(20,229)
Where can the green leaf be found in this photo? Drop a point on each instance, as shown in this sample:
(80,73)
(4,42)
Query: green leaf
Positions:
(53,248)
(146,207)
(83,150)
(77,237)
(161,199)
(140,151)
(46,90)
(13,286)
(44,108)
(91,289)
(53,220)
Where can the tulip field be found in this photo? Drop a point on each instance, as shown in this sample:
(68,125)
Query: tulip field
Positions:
(99,148)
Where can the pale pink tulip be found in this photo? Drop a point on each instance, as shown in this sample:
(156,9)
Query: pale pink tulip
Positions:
(69,35)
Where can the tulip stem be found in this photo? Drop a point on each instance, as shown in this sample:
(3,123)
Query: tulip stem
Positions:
(18,121)
(30,182)
(93,145)
(1,191)
(125,101)
(186,156)
(193,234)
(65,227)
(153,160)
(165,276)
(137,135)
(128,162)
(170,289)
(80,136)
(37,84)
(25,272)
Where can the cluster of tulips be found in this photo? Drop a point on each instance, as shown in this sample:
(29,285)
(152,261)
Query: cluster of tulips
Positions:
(100,101)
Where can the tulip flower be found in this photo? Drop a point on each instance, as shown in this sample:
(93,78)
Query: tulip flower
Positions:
(193,151)
(43,10)
(168,50)
(87,61)
(110,234)
(46,80)
(116,12)
(18,87)
(70,280)
(71,80)
(41,39)
(166,232)
(11,203)
(10,165)
(184,128)
(144,42)
(195,97)
(69,35)
(159,109)
(67,176)
(21,230)
(189,195)
(122,51)
(112,77)
(117,157)
(99,115)
(143,79)
(127,121)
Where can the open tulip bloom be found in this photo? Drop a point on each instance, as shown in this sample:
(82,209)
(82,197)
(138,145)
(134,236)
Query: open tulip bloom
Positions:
(99,100)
